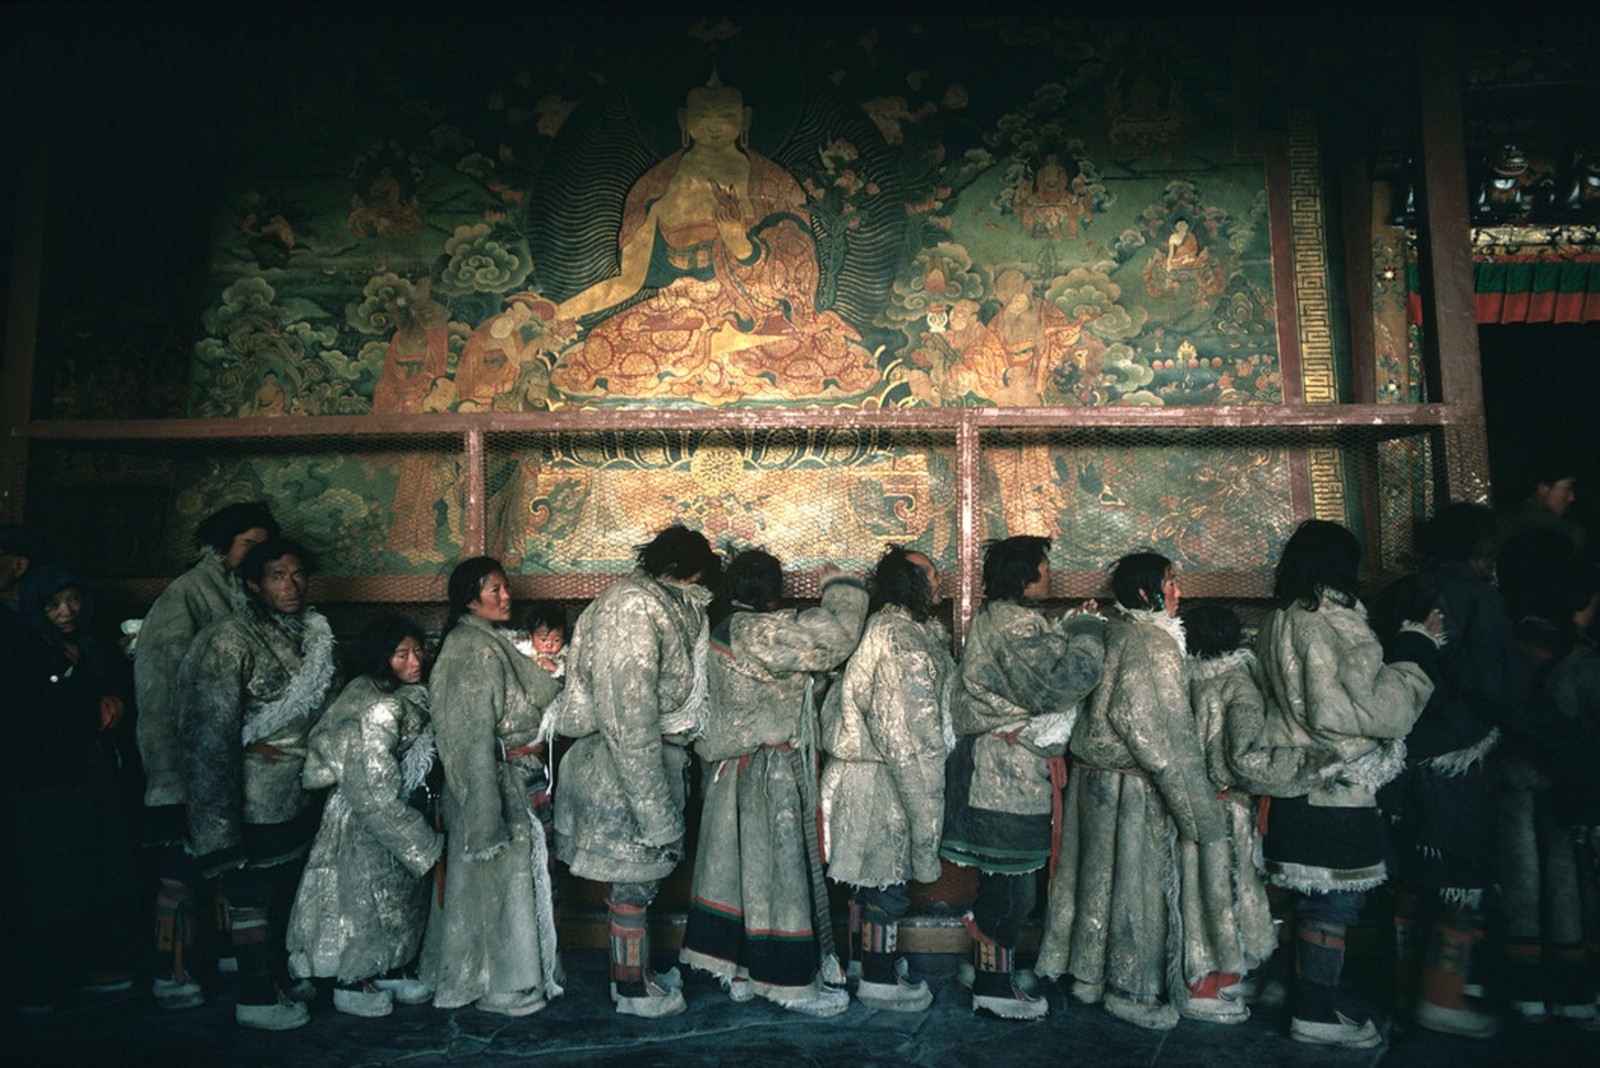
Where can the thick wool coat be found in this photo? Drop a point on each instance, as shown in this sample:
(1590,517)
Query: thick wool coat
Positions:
(193,601)
(1327,687)
(1227,925)
(751,909)
(1022,678)
(363,901)
(1137,787)
(494,932)
(1018,668)
(886,730)
(249,691)
(635,697)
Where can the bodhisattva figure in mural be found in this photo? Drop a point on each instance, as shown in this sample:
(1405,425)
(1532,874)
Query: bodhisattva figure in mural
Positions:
(723,236)
(1037,335)
(980,367)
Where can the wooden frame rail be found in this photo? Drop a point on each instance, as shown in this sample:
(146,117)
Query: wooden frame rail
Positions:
(966,428)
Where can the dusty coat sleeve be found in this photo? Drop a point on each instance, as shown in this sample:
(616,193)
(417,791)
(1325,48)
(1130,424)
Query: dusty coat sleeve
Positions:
(814,640)
(469,701)
(211,706)
(1043,671)
(905,727)
(626,708)
(1345,696)
(1255,768)
(1151,713)
(375,788)
(165,636)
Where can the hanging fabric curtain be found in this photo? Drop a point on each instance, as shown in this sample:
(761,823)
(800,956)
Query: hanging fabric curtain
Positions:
(1528,288)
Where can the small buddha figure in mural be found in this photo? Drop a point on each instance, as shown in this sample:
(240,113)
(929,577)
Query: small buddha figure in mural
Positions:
(1185,267)
(1056,198)
(721,234)
(270,398)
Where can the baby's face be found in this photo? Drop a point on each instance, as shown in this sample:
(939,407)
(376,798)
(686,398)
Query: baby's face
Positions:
(548,641)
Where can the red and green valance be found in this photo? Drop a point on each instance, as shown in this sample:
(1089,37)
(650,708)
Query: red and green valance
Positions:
(1528,289)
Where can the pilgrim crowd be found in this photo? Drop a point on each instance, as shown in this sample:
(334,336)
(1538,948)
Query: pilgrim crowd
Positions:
(1197,809)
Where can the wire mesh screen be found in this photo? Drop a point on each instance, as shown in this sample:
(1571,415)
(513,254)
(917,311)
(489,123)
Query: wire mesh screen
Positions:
(388,517)
(573,505)
(393,508)
(1219,501)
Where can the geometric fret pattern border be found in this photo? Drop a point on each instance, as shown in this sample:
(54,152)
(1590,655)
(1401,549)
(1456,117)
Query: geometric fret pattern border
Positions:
(1327,484)
(1319,379)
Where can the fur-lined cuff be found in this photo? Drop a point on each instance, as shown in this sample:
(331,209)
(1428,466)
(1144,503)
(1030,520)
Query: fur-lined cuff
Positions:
(1411,626)
(1417,647)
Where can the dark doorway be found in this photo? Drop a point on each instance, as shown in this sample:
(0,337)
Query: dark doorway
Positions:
(1541,388)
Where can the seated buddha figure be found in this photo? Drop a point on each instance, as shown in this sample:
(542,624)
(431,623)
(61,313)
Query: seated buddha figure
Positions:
(722,234)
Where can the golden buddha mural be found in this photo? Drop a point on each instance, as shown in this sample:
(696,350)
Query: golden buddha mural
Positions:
(715,295)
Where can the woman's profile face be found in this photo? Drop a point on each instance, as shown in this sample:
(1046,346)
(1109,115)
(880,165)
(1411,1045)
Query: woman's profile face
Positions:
(1171,592)
(64,608)
(407,661)
(493,603)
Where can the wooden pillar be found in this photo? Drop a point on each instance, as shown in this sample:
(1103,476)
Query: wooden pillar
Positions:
(474,503)
(22,336)
(1448,283)
(969,564)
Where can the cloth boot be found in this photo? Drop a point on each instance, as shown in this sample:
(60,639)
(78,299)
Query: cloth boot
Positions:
(637,990)
(1444,1008)
(994,988)
(1210,999)
(260,1006)
(1316,1015)
(1409,925)
(884,983)
(852,968)
(174,987)
(226,960)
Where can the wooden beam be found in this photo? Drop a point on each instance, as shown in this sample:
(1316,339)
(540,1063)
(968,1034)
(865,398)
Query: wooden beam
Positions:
(406,431)
(22,334)
(1448,286)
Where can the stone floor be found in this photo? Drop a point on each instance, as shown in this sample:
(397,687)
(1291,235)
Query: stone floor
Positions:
(581,1029)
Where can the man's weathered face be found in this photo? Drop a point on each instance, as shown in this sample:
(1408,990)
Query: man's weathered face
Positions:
(283,585)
